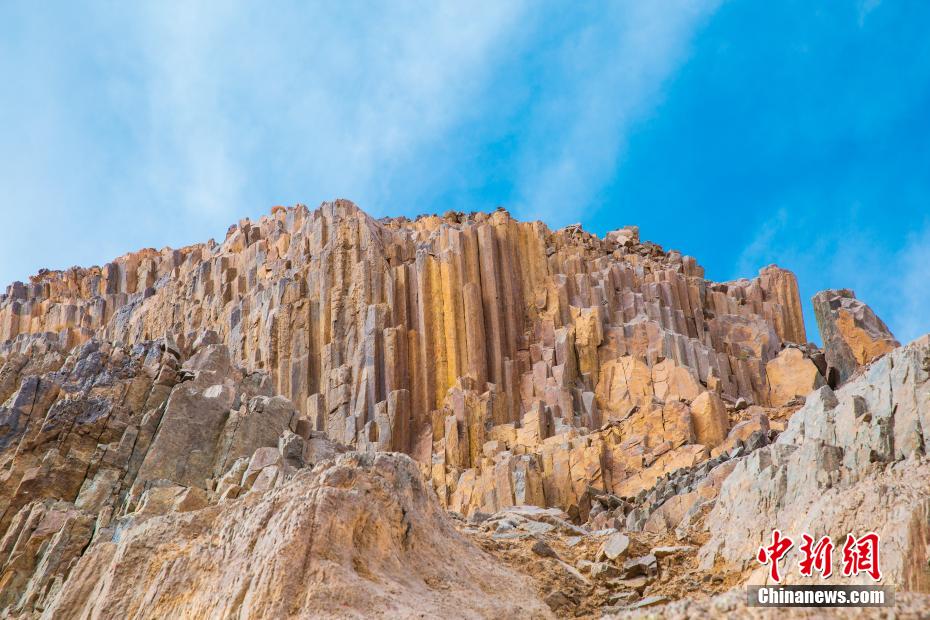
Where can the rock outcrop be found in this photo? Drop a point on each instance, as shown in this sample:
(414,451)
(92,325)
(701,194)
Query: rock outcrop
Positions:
(486,348)
(853,335)
(849,461)
(328,415)
(352,536)
(792,375)
(125,466)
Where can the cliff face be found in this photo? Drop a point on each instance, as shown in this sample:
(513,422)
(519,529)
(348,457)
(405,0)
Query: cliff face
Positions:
(221,415)
(306,294)
(450,339)
(120,467)
(849,461)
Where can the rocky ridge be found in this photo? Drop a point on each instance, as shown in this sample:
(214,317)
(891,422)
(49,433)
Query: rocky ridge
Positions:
(488,349)
(230,416)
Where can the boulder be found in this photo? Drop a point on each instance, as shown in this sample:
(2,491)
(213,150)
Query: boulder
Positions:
(791,375)
(615,546)
(853,335)
(710,419)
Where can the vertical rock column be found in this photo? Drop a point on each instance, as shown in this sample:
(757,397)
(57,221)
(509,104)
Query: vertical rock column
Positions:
(782,287)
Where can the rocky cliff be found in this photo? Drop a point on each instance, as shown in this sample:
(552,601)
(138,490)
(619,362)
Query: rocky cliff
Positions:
(452,339)
(268,426)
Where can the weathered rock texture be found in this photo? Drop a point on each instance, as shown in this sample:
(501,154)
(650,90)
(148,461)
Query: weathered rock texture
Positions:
(268,427)
(352,537)
(486,348)
(121,469)
(849,461)
(852,334)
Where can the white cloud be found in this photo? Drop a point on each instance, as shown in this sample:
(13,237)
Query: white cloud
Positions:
(865,7)
(335,99)
(911,271)
(840,253)
(162,123)
(622,62)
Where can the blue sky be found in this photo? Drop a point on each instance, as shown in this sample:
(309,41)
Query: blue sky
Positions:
(743,133)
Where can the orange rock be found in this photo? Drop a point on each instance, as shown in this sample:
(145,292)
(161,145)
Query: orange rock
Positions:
(853,335)
(710,419)
(790,375)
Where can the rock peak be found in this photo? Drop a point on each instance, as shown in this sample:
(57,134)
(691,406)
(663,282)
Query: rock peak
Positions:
(853,335)
(328,410)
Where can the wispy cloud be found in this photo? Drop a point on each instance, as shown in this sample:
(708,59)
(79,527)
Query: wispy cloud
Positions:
(866,7)
(616,68)
(759,249)
(161,123)
(166,121)
(335,98)
(842,253)
(911,271)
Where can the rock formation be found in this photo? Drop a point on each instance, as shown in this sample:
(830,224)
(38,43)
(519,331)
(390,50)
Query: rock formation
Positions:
(852,334)
(353,535)
(121,466)
(272,426)
(486,348)
(849,461)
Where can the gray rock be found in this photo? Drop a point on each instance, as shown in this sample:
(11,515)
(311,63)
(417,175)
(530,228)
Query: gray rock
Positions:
(646,565)
(615,546)
(662,552)
(542,549)
(603,571)
(847,461)
(558,599)
(649,601)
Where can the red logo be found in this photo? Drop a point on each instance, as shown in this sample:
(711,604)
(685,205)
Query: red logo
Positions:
(817,557)
(774,552)
(860,555)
